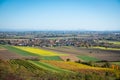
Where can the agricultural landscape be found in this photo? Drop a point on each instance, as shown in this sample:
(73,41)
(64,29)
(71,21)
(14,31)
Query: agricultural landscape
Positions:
(59,39)
(79,58)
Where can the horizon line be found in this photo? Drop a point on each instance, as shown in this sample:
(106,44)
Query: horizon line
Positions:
(53,30)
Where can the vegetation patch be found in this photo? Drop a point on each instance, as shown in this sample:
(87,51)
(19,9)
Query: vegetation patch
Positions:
(113,42)
(105,48)
(117,63)
(48,66)
(2,48)
(51,58)
(87,58)
(77,67)
(25,70)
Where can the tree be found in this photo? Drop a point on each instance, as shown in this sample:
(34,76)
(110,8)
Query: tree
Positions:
(67,59)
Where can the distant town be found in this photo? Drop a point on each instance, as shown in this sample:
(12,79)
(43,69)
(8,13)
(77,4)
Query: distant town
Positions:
(61,38)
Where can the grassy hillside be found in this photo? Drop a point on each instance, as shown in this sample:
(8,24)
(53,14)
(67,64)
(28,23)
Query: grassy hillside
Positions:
(30,70)
(48,66)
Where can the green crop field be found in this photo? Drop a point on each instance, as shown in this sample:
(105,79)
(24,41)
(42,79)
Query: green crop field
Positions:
(87,58)
(51,58)
(114,42)
(104,48)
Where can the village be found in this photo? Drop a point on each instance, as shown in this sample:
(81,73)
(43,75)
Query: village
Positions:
(75,38)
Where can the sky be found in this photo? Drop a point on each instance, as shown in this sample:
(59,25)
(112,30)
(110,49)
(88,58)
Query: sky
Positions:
(98,15)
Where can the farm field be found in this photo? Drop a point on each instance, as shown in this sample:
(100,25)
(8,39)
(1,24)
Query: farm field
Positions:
(2,48)
(19,51)
(52,58)
(88,58)
(99,54)
(63,53)
(26,53)
(76,66)
(103,48)
(23,69)
(113,42)
(55,64)
(6,55)
(70,57)
(39,51)
(48,66)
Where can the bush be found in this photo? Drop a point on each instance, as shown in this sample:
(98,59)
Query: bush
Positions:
(91,63)
(107,65)
(79,61)
(67,59)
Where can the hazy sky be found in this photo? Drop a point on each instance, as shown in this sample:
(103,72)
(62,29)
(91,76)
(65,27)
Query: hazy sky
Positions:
(59,14)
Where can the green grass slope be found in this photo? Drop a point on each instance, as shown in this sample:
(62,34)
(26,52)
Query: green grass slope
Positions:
(49,67)
(52,58)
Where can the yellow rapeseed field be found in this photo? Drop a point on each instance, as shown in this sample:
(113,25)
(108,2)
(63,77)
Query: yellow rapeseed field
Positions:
(39,51)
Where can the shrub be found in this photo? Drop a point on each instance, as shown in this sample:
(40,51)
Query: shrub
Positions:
(107,65)
(67,59)
(91,63)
